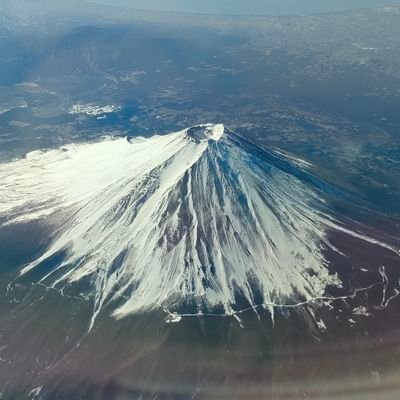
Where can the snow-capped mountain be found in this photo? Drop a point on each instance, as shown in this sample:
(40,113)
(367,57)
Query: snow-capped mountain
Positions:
(198,217)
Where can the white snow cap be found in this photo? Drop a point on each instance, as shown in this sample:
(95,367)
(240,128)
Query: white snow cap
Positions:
(174,219)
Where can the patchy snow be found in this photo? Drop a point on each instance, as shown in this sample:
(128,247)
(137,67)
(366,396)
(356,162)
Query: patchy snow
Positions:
(173,318)
(34,393)
(93,110)
(361,311)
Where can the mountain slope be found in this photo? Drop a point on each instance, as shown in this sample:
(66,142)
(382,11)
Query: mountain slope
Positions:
(198,218)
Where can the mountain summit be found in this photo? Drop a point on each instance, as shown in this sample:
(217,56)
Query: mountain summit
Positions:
(206,132)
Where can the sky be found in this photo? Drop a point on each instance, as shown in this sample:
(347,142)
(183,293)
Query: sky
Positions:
(253,7)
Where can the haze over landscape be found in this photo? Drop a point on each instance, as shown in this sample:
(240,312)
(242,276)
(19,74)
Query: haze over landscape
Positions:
(252,7)
(199,206)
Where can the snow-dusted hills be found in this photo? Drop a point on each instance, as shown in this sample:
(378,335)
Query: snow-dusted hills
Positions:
(195,217)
